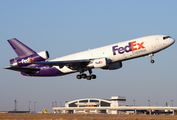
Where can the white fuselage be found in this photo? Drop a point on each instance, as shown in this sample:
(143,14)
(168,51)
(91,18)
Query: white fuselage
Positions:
(121,51)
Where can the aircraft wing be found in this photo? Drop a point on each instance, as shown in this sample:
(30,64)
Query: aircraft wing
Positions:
(22,69)
(49,63)
(84,62)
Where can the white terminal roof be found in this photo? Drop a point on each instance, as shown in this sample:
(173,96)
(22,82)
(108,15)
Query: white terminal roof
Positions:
(117,97)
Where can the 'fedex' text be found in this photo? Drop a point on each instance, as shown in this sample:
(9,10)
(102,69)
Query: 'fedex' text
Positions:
(132,46)
(29,59)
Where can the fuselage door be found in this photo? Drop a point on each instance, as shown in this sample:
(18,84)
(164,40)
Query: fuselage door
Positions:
(158,44)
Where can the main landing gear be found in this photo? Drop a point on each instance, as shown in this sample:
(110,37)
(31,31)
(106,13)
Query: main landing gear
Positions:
(152,61)
(88,77)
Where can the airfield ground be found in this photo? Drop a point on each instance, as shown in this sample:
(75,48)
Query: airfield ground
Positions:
(24,116)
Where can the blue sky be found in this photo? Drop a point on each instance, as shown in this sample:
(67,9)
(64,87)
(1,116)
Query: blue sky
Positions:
(66,27)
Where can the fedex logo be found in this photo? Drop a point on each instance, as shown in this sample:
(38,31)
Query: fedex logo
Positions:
(132,46)
(99,62)
(29,59)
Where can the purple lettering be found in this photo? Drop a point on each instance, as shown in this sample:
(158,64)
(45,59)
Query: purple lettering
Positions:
(128,48)
(114,49)
(121,50)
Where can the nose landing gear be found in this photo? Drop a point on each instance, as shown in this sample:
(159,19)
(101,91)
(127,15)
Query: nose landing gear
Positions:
(152,61)
(150,55)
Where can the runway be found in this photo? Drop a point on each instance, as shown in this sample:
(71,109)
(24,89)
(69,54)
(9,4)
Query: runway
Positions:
(24,116)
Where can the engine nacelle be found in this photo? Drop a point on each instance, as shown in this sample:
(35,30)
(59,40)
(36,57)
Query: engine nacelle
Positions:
(113,66)
(44,54)
(98,63)
(23,61)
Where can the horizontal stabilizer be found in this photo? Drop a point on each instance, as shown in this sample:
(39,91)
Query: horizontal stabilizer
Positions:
(22,69)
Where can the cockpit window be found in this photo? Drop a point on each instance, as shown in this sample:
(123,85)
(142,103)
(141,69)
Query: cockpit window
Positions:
(166,37)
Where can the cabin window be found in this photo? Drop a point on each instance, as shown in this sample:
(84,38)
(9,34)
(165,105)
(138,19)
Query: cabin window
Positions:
(83,101)
(73,104)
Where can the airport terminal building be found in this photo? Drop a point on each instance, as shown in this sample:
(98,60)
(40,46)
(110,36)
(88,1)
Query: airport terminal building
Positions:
(115,105)
(92,105)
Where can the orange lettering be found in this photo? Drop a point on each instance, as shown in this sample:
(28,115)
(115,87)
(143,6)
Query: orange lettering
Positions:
(100,61)
(31,59)
(133,45)
(140,45)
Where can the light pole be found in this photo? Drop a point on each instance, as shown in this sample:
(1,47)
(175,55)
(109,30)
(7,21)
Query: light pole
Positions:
(34,106)
(134,102)
(55,103)
(29,105)
(149,102)
(52,104)
(15,105)
(172,103)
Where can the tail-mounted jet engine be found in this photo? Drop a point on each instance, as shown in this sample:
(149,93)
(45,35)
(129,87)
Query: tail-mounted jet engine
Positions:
(25,60)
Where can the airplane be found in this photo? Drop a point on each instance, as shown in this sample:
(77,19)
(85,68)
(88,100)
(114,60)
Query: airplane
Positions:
(31,63)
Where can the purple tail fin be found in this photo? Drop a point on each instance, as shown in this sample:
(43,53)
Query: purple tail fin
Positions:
(25,54)
(20,48)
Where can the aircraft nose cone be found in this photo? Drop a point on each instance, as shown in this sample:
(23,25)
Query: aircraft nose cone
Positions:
(172,41)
